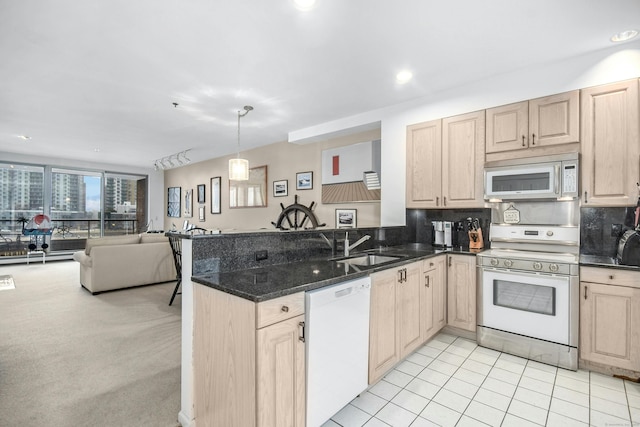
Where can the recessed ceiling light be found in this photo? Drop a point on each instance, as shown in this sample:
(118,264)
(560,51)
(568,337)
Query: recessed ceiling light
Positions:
(624,36)
(97,150)
(304,4)
(404,76)
(24,137)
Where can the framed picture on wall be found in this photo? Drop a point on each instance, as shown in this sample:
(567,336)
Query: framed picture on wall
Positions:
(304,181)
(173,202)
(201,190)
(346,218)
(281,188)
(215,195)
(188,203)
(201,210)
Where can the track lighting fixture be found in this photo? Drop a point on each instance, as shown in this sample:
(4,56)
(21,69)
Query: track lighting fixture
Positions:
(172,161)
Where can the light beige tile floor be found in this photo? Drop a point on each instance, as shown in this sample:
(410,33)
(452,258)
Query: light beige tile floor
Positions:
(451,381)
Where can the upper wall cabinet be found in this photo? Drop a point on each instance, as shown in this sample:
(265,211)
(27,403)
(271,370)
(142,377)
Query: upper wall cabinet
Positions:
(463,160)
(542,122)
(445,160)
(610,144)
(424,165)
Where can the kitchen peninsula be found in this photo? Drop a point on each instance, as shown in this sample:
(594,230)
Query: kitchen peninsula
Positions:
(232,306)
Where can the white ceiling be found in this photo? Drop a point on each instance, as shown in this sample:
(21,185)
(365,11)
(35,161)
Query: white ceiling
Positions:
(80,76)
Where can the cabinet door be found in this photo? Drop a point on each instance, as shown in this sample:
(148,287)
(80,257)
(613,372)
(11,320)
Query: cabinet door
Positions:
(461,292)
(409,309)
(383,348)
(424,164)
(463,160)
(433,297)
(610,325)
(554,119)
(281,374)
(507,127)
(610,135)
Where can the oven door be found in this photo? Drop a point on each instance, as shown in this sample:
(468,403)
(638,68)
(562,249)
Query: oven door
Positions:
(529,304)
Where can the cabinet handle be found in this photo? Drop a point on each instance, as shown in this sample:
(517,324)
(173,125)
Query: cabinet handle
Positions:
(430,264)
(437,201)
(400,276)
(444,198)
(285,309)
(301,325)
(611,277)
(449,261)
(427,282)
(585,197)
(523,139)
(585,292)
(533,139)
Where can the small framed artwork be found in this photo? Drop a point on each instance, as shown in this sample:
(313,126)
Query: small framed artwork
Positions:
(281,188)
(304,180)
(188,203)
(201,213)
(201,190)
(173,202)
(215,195)
(346,218)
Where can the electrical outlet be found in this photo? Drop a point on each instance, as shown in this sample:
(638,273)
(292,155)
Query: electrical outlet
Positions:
(616,230)
(261,255)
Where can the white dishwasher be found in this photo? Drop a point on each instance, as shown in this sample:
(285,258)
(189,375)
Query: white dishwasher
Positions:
(337,319)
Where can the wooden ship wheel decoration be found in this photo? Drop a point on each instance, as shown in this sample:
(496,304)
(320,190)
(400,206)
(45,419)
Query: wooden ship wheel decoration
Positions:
(297,216)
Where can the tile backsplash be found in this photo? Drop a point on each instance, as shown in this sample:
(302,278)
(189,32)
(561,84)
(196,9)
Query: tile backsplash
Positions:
(419,223)
(601,229)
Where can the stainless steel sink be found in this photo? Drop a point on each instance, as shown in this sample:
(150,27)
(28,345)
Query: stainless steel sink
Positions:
(368,260)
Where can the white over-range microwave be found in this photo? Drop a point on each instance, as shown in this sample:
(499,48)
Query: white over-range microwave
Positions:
(548,177)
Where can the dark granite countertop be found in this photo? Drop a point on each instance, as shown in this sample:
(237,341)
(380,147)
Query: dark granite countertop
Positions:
(261,284)
(605,261)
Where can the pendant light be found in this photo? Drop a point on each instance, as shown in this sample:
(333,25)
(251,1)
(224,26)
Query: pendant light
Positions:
(239,168)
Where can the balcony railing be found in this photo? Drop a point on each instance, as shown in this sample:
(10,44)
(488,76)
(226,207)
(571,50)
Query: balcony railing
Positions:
(67,234)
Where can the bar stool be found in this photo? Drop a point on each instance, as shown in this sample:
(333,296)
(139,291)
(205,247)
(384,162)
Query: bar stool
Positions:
(176,249)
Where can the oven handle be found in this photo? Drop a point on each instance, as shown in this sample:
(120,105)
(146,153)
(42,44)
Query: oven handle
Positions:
(523,273)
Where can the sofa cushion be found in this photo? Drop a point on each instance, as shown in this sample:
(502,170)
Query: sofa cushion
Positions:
(153,238)
(111,240)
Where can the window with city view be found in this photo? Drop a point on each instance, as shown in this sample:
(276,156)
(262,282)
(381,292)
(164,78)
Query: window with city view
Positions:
(81,205)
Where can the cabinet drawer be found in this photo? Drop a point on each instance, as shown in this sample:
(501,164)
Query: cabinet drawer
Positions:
(278,309)
(610,276)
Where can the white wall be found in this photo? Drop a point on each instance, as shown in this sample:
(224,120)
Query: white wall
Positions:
(605,66)
(155,196)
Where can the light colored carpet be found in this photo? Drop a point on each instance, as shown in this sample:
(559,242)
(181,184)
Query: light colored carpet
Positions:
(68,358)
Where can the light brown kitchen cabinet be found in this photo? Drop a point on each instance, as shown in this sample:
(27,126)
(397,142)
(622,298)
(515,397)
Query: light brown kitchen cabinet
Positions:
(394,323)
(610,133)
(463,160)
(445,160)
(249,360)
(610,318)
(461,292)
(540,122)
(433,296)
(424,165)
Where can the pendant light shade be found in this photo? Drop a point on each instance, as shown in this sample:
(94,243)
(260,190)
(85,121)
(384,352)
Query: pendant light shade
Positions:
(239,168)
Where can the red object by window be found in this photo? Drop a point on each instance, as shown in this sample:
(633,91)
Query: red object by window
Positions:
(336,165)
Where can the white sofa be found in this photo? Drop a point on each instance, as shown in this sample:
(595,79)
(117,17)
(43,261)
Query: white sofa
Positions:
(118,262)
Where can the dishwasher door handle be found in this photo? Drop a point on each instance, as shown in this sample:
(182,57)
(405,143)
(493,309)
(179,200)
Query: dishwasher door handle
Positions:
(343,292)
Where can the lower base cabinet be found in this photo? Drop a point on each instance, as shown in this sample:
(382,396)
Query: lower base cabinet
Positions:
(461,292)
(249,361)
(407,308)
(610,317)
(433,296)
